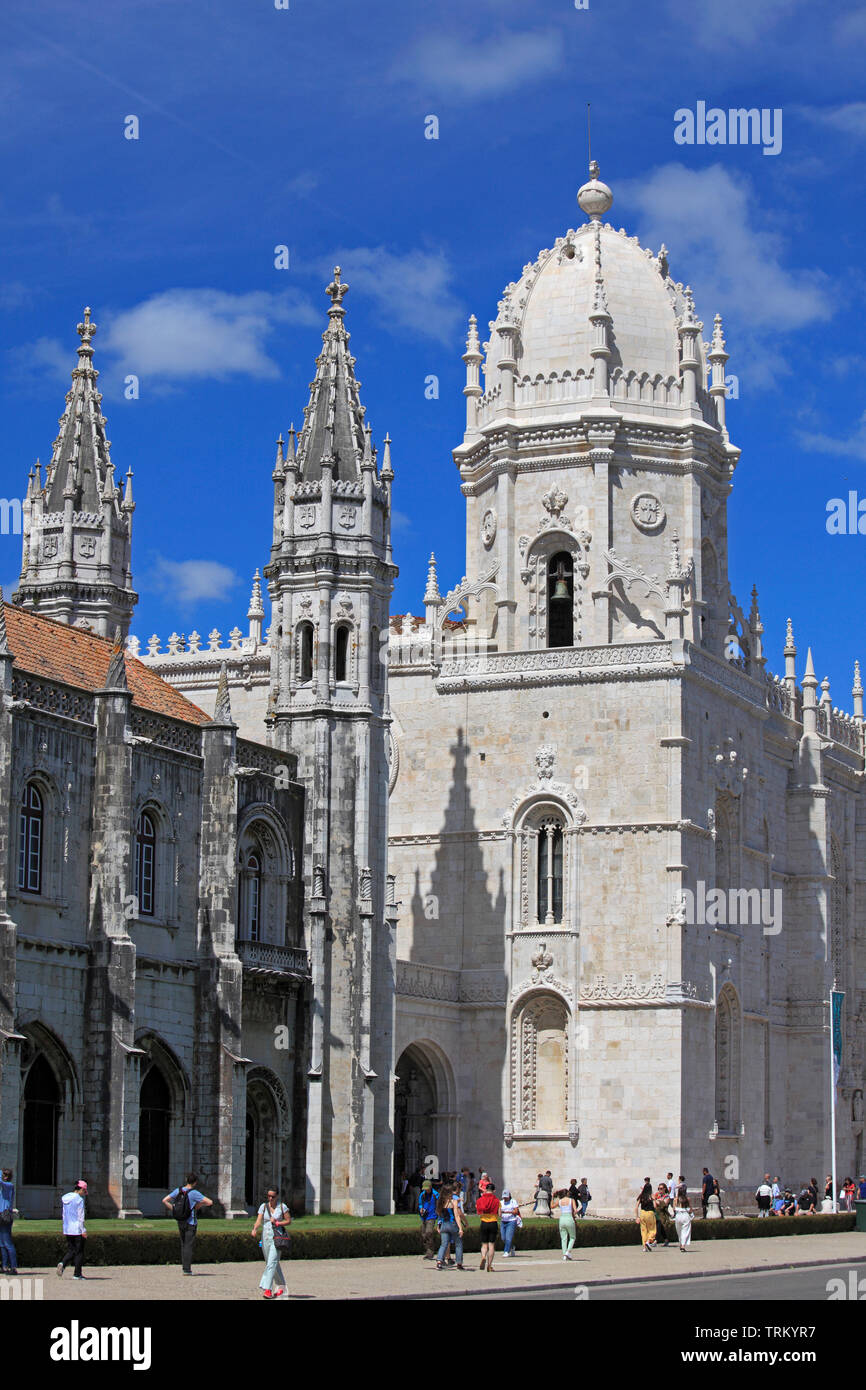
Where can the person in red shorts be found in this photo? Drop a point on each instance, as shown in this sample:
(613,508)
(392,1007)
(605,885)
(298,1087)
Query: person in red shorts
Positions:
(487,1207)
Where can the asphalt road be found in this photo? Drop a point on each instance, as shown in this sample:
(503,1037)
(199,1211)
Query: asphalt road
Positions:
(792,1285)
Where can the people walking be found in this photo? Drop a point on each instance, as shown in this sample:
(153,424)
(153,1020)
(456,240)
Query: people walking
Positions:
(7,1217)
(511,1222)
(645,1215)
(584,1197)
(565,1207)
(451,1226)
(683,1215)
(272,1219)
(487,1207)
(764,1196)
(73,1229)
(184,1204)
(427,1200)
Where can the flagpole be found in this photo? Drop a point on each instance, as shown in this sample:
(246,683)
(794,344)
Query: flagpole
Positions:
(833,1098)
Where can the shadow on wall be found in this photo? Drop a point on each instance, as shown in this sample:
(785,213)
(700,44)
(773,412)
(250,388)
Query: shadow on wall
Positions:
(449,1089)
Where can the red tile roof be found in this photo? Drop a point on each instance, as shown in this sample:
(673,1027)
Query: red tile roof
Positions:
(43,647)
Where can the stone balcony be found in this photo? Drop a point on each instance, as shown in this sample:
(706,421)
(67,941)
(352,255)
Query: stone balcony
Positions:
(266,958)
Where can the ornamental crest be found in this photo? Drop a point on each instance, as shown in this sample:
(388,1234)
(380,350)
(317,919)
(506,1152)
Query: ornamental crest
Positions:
(647,512)
(306,517)
(347,518)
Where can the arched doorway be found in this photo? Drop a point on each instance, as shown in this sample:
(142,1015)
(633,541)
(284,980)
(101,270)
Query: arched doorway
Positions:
(268,1138)
(424,1118)
(42,1105)
(154,1136)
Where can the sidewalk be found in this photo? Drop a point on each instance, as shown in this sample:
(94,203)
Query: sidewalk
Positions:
(410,1276)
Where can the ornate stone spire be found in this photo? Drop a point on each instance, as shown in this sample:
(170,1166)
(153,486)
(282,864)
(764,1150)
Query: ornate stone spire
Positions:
(857,692)
(116,676)
(431,593)
(334,418)
(790,655)
(717,358)
(387,472)
(223,707)
(256,611)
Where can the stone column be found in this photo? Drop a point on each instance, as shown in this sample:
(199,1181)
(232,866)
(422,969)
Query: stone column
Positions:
(220,1069)
(110,994)
(10,1041)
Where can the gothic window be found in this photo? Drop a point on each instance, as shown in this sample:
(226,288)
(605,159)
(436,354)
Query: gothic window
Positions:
(560,600)
(250,895)
(728,1061)
(154,1130)
(31,840)
(145,865)
(42,1100)
(305,652)
(341,653)
(550,877)
(540,1066)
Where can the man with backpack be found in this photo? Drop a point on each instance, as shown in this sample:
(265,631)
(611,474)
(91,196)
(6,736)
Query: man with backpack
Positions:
(183,1203)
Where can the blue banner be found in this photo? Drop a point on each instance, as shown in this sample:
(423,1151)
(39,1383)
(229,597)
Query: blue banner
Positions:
(836,997)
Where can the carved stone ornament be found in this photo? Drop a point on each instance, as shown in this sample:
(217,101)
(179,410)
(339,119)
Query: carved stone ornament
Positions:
(87,547)
(629,574)
(647,512)
(347,518)
(545,759)
(49,548)
(542,960)
(554,502)
(488,528)
(729,773)
(306,517)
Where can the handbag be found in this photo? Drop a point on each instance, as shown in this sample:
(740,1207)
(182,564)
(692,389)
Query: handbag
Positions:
(282,1241)
(6,1216)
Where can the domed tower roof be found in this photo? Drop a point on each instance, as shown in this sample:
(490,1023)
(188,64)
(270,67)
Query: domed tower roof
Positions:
(547,319)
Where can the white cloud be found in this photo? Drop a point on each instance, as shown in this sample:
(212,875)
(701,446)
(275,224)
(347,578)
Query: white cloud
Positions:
(710,220)
(47,356)
(850,118)
(191,581)
(737,23)
(480,68)
(180,334)
(412,290)
(849,446)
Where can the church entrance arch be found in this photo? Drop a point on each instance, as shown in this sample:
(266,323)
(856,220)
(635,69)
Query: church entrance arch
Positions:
(268,1138)
(425,1118)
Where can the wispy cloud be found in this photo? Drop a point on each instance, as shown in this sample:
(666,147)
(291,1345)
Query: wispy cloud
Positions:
(188,582)
(849,118)
(710,217)
(412,290)
(737,23)
(475,68)
(180,334)
(852,445)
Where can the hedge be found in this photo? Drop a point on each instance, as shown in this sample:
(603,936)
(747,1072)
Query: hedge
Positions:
(126,1247)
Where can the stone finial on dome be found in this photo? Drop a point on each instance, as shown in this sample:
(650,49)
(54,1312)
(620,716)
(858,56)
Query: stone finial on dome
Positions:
(594,198)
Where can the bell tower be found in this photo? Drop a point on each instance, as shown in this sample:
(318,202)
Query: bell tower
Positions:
(330,579)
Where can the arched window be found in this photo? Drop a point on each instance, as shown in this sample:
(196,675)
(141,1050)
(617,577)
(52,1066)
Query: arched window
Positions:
(305,652)
(154,1130)
(560,600)
(540,1066)
(728,1061)
(550,872)
(145,864)
(31,840)
(250,897)
(41,1114)
(341,653)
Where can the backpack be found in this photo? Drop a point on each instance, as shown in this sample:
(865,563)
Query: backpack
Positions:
(180,1207)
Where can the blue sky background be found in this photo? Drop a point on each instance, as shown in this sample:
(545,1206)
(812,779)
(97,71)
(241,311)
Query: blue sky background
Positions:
(305,126)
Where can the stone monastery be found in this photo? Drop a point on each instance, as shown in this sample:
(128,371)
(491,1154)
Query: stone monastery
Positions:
(553,873)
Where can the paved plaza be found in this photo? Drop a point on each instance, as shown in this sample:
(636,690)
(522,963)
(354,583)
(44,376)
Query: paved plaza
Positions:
(413,1277)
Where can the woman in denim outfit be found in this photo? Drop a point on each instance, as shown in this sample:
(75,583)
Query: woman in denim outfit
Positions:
(450,1225)
(7,1204)
(273,1216)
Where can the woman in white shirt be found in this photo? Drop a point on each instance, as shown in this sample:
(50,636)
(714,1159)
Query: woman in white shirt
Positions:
(510,1221)
(273,1217)
(683,1215)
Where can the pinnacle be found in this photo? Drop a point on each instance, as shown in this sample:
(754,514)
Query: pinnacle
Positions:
(223,709)
(116,676)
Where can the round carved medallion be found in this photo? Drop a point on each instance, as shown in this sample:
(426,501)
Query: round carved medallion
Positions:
(488,528)
(647,512)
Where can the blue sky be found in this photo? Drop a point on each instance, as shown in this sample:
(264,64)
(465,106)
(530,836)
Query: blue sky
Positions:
(305,127)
